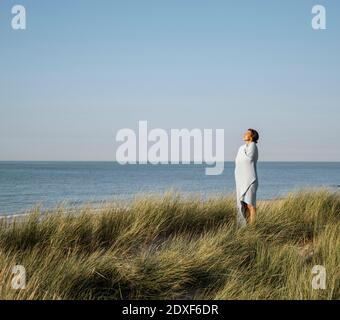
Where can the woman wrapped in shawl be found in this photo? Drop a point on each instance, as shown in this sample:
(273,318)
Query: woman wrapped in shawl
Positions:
(246,178)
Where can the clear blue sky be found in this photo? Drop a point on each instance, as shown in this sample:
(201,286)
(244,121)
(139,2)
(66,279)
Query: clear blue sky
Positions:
(84,69)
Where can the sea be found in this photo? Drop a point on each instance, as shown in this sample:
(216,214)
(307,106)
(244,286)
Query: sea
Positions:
(26,185)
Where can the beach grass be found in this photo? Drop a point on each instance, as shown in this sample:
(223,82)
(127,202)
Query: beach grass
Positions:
(171,247)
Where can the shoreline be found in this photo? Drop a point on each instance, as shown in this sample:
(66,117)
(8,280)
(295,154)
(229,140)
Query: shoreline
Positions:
(102,205)
(125,203)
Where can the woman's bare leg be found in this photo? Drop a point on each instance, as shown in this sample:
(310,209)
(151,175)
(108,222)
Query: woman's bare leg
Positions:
(252,213)
(246,211)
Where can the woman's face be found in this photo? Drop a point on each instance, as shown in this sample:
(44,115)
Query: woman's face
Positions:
(247,136)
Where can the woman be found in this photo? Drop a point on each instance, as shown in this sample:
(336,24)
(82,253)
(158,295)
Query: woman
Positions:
(246,178)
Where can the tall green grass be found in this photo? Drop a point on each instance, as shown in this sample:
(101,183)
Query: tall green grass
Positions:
(172,247)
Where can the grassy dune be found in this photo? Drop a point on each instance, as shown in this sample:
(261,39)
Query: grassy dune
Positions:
(171,247)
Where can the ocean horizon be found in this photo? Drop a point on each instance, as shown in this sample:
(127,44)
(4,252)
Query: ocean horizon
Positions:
(26,184)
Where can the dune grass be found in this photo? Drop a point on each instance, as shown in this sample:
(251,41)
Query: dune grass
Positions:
(176,248)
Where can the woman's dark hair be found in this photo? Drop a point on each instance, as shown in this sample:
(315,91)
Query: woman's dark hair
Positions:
(254,135)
